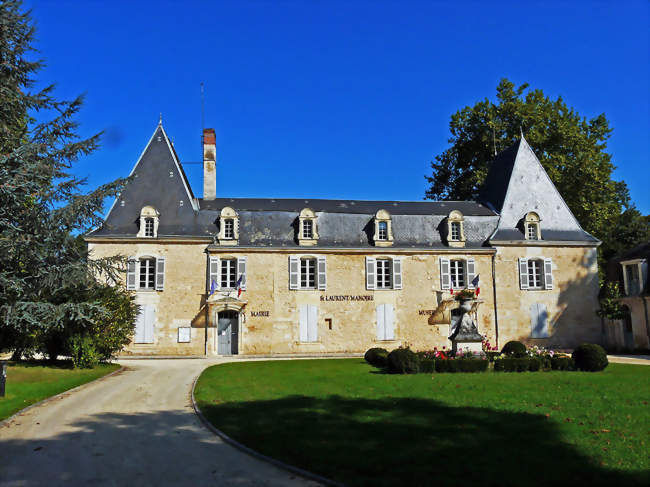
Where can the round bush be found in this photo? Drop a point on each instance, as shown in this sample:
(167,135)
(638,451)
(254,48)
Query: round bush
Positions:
(403,361)
(590,357)
(377,357)
(514,348)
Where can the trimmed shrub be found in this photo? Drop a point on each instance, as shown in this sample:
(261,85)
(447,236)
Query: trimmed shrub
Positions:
(403,361)
(427,365)
(514,348)
(517,364)
(534,364)
(590,357)
(461,365)
(562,363)
(377,357)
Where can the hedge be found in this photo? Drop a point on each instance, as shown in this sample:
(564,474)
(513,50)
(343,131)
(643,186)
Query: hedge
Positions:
(517,364)
(590,357)
(562,363)
(403,361)
(462,365)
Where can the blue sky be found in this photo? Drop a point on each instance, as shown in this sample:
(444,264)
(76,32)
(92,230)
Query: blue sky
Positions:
(321,99)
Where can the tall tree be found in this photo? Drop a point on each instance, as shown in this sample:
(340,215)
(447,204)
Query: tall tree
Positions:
(571,148)
(42,205)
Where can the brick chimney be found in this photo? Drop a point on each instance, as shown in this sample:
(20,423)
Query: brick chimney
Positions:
(209,165)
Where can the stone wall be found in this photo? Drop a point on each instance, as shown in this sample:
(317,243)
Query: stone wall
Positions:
(571,304)
(346,325)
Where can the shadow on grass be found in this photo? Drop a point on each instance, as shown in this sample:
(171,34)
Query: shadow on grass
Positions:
(410,442)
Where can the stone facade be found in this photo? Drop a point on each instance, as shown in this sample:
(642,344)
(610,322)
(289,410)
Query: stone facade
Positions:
(176,267)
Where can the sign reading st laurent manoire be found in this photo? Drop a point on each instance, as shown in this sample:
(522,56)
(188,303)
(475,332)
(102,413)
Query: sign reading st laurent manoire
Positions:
(264,314)
(348,297)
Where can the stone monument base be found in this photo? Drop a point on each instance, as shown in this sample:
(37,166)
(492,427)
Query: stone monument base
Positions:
(472,346)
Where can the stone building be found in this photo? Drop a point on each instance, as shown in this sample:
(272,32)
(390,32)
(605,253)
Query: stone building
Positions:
(630,271)
(301,276)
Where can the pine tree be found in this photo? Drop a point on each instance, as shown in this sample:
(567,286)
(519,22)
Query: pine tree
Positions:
(571,148)
(44,272)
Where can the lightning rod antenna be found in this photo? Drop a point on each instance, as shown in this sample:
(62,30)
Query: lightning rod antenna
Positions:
(202,109)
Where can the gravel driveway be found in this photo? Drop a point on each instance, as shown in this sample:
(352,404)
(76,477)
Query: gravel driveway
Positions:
(134,428)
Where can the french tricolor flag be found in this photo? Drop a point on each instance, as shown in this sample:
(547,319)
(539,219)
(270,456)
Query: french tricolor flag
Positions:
(475,283)
(239,285)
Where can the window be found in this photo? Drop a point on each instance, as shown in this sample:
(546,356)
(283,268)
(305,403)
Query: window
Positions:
(455,231)
(147,273)
(531,226)
(384,274)
(148,227)
(308,323)
(383,236)
(308,273)
(228,273)
(457,273)
(307,229)
(148,222)
(632,278)
(229,228)
(535,274)
(382,231)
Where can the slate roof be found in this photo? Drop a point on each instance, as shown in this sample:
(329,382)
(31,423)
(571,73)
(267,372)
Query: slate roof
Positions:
(158,180)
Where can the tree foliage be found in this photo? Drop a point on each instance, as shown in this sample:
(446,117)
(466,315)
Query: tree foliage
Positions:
(45,275)
(571,148)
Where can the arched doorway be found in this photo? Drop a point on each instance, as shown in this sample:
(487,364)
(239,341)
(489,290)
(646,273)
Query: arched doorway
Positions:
(227,332)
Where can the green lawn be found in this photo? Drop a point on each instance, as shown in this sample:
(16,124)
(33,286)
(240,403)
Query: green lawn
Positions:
(349,422)
(28,383)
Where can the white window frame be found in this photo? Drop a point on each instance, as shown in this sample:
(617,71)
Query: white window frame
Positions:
(455,273)
(229,228)
(148,227)
(532,227)
(308,273)
(547,279)
(531,231)
(382,231)
(308,229)
(641,266)
(384,274)
(149,269)
(455,229)
(535,274)
(228,269)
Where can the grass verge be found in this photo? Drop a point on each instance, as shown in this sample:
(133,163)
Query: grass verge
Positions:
(28,383)
(346,421)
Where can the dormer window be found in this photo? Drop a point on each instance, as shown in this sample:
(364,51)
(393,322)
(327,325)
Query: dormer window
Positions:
(148,222)
(455,229)
(307,227)
(228,227)
(531,226)
(383,236)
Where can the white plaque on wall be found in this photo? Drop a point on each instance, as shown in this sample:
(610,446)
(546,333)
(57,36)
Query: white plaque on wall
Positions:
(184,334)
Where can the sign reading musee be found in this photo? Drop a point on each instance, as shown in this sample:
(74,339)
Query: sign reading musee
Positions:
(348,297)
